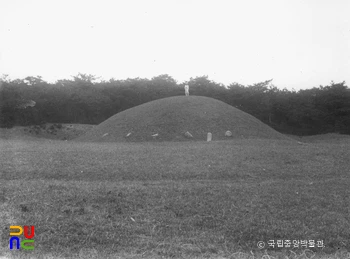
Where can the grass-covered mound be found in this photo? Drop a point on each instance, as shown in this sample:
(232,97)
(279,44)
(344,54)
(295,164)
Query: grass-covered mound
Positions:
(169,119)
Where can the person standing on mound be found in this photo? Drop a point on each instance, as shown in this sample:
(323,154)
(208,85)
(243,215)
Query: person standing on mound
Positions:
(187,93)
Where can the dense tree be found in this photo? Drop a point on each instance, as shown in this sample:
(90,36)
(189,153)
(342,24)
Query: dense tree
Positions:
(85,99)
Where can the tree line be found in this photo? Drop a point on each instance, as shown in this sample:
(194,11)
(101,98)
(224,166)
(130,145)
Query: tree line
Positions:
(85,99)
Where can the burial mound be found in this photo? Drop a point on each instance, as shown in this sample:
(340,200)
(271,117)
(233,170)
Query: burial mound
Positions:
(169,119)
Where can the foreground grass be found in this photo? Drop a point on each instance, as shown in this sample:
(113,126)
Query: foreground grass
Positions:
(176,199)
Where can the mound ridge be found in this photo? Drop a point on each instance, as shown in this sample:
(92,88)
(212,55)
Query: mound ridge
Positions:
(171,117)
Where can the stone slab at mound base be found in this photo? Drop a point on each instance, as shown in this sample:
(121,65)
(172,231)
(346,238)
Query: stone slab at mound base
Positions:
(170,118)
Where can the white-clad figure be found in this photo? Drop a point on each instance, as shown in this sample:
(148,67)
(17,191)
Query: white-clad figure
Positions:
(187,93)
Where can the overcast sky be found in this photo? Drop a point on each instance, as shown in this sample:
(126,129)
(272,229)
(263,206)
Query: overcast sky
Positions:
(297,43)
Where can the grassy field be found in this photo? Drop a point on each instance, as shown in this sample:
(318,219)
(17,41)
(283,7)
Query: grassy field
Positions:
(176,199)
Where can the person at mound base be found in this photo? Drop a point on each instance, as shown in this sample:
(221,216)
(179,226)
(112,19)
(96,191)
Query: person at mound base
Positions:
(187,93)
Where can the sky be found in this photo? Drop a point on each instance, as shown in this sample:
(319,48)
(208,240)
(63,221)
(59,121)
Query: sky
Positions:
(299,44)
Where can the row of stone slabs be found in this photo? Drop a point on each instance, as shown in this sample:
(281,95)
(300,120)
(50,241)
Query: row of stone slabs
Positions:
(187,135)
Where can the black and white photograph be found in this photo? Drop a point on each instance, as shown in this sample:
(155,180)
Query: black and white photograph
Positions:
(174,129)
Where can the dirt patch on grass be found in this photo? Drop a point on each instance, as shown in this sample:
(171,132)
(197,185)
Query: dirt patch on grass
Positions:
(170,118)
(330,137)
(54,131)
